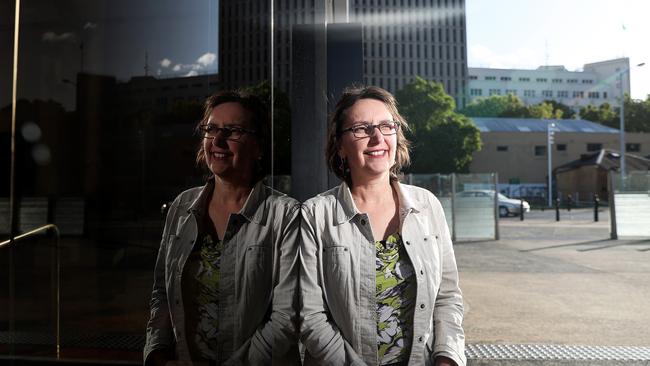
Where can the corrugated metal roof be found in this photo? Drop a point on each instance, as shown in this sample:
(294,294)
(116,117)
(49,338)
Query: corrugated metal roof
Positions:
(539,125)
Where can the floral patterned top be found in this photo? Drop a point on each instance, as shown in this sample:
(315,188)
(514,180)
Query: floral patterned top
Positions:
(201,293)
(395,296)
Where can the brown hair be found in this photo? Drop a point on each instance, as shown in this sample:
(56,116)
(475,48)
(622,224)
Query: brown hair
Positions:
(260,119)
(350,96)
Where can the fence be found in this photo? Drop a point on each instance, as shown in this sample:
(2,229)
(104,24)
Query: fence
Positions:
(629,204)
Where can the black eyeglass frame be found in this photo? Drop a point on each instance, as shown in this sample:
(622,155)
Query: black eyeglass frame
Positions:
(226,131)
(369,129)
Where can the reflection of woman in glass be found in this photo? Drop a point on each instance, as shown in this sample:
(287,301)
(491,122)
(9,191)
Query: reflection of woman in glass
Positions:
(219,255)
(379,284)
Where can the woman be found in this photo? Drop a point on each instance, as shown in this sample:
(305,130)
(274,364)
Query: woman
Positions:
(379,284)
(220,251)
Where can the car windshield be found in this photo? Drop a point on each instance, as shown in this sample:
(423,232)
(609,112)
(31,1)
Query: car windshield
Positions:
(502,197)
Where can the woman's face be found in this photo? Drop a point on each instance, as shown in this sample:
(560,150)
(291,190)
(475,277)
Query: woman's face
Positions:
(226,157)
(373,156)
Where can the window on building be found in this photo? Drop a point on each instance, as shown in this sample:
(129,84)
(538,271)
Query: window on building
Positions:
(593,95)
(604,95)
(525,80)
(587,81)
(495,92)
(632,147)
(511,91)
(556,81)
(473,77)
(476,92)
(529,93)
(540,150)
(547,93)
(490,78)
(541,80)
(578,94)
(506,78)
(594,146)
(572,81)
(560,147)
(502,148)
(563,94)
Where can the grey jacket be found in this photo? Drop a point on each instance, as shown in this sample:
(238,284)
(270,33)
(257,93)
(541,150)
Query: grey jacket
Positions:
(250,268)
(337,280)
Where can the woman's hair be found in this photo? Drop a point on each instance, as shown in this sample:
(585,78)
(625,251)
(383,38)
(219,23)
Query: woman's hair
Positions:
(350,96)
(259,119)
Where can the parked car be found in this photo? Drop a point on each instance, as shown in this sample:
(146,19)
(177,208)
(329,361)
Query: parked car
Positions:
(507,206)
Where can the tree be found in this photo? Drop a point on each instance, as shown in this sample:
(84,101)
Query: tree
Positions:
(637,115)
(511,106)
(497,106)
(602,114)
(543,111)
(422,101)
(443,140)
(567,112)
(281,125)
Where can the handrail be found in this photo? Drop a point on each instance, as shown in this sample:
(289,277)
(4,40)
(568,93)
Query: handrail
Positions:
(57,235)
(31,233)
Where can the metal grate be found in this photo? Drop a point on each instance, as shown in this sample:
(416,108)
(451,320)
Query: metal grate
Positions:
(556,352)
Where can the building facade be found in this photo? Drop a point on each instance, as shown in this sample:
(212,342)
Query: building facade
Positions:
(597,83)
(515,148)
(401,39)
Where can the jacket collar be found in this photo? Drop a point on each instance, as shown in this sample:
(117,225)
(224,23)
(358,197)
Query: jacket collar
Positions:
(255,208)
(346,209)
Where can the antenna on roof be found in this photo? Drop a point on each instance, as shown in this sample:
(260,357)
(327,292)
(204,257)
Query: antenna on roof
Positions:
(146,63)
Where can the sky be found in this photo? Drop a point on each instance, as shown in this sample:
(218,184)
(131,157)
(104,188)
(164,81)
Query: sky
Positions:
(526,34)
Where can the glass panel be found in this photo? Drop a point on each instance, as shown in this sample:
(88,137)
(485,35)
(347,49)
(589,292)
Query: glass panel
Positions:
(474,207)
(632,204)
(109,96)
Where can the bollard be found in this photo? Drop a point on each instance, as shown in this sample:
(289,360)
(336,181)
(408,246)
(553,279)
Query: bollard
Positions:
(569,201)
(557,209)
(596,203)
(521,209)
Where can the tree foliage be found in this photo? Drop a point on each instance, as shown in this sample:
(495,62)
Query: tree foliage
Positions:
(443,140)
(637,114)
(511,106)
(602,114)
(281,125)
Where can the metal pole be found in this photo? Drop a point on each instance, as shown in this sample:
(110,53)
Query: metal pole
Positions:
(453,207)
(496,205)
(13,206)
(622,127)
(549,129)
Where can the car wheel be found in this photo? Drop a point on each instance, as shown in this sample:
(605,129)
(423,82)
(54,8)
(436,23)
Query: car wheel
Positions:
(503,211)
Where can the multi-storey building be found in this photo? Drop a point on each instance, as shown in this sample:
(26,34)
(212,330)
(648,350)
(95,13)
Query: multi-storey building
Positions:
(597,83)
(401,39)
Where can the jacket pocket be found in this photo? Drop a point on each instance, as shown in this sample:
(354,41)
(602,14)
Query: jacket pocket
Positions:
(336,281)
(258,263)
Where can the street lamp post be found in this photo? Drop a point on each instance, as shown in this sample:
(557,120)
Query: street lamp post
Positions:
(622,121)
(550,139)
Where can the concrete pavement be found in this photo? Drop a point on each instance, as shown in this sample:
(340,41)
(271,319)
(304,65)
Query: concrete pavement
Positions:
(556,283)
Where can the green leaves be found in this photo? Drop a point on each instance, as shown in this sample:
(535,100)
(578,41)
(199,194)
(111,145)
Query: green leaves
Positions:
(511,106)
(443,140)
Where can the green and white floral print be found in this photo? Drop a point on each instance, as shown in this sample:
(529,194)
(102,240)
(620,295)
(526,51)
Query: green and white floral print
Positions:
(395,300)
(207,277)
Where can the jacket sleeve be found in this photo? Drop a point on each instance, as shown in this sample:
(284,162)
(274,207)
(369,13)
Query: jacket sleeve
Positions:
(321,337)
(159,327)
(449,338)
(276,339)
